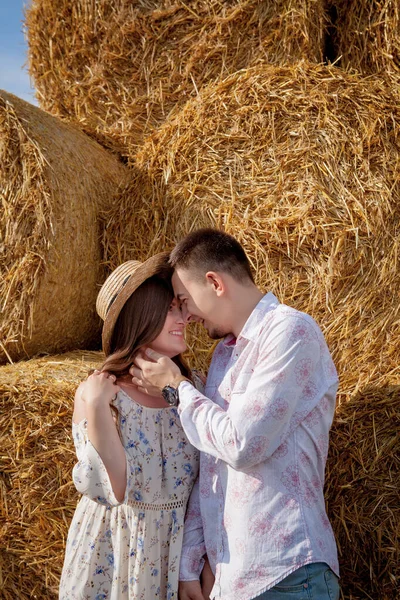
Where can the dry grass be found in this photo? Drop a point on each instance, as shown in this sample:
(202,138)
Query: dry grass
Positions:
(367,35)
(362,492)
(38,497)
(53,182)
(118,67)
(301,164)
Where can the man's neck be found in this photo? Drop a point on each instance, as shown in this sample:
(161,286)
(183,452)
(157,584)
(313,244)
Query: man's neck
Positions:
(250,297)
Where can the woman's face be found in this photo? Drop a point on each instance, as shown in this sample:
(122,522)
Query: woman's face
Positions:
(171,340)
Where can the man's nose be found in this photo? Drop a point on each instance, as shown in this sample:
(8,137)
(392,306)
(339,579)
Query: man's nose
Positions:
(187,317)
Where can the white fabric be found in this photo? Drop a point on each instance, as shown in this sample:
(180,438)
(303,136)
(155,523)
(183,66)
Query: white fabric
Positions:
(263,429)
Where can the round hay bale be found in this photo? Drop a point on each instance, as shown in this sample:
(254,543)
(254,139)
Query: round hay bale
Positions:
(119,67)
(53,181)
(366,35)
(301,164)
(38,497)
(362,492)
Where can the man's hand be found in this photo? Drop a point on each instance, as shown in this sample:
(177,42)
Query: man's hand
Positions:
(190,590)
(207,580)
(152,371)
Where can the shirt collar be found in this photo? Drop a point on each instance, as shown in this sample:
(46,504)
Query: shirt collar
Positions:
(251,328)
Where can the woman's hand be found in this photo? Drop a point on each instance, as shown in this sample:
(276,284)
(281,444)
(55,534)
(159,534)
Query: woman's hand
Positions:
(100,388)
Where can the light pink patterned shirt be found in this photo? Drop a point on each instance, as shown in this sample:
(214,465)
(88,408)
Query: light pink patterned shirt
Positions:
(263,428)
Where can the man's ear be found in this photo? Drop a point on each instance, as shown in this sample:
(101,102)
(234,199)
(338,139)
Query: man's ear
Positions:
(216,281)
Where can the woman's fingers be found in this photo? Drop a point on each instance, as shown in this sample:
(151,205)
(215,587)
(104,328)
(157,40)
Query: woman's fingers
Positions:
(105,374)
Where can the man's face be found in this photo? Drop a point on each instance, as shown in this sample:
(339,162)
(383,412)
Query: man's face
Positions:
(200,303)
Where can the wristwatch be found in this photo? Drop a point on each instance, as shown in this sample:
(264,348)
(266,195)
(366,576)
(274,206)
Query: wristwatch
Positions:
(170,392)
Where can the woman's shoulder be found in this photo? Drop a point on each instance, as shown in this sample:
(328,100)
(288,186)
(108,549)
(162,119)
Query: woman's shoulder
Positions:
(79,404)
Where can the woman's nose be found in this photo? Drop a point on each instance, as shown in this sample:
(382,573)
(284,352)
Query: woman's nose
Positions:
(179,316)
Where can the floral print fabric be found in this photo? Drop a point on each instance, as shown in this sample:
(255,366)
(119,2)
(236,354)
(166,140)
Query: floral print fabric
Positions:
(130,550)
(263,428)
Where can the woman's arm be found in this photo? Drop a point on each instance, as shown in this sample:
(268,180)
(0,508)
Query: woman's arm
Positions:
(93,403)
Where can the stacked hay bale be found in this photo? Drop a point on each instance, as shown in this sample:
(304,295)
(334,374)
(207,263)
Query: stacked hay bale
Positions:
(362,492)
(54,180)
(366,35)
(119,67)
(301,164)
(38,497)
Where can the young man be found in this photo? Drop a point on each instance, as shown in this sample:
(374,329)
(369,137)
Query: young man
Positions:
(262,426)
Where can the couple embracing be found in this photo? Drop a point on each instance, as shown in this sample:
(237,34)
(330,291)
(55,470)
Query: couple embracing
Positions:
(203,488)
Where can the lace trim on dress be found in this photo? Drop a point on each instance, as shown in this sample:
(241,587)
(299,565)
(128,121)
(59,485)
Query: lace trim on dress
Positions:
(148,506)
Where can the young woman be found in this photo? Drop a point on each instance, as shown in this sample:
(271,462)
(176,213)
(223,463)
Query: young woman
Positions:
(135,466)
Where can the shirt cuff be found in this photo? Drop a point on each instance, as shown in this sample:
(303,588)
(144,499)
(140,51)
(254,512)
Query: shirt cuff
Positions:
(187,394)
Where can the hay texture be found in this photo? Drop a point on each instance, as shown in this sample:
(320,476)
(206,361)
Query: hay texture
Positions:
(301,164)
(366,35)
(118,67)
(38,497)
(362,493)
(53,182)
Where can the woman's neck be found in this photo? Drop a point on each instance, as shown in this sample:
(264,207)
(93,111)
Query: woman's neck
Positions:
(140,397)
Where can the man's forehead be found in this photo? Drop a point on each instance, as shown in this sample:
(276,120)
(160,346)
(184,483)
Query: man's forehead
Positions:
(178,285)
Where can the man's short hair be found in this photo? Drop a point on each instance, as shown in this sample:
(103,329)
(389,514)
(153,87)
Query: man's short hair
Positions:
(206,250)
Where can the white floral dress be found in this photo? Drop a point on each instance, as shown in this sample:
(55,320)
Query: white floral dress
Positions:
(130,550)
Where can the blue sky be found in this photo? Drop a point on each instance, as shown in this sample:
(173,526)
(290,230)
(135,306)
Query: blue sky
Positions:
(14,76)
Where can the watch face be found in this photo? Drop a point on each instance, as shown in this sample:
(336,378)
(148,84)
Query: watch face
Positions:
(170,395)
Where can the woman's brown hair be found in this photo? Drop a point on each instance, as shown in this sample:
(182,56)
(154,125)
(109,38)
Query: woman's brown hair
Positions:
(139,323)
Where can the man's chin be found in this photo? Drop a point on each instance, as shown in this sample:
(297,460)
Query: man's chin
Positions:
(215,334)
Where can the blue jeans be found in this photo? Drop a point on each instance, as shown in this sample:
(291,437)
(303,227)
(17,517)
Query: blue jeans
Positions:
(311,582)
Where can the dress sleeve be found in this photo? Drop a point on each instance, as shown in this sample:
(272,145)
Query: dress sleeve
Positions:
(193,548)
(89,473)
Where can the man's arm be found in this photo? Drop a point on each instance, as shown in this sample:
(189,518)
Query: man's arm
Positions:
(287,383)
(193,547)
(193,550)
(259,419)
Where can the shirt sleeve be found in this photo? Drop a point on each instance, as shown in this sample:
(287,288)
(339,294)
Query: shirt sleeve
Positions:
(286,383)
(193,548)
(89,474)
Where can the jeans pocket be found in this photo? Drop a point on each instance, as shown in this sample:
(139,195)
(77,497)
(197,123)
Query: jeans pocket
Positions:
(293,583)
(332,584)
(290,589)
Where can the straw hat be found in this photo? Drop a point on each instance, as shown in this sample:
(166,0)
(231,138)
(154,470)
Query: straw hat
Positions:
(119,287)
